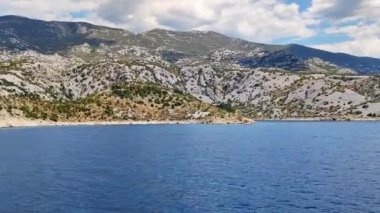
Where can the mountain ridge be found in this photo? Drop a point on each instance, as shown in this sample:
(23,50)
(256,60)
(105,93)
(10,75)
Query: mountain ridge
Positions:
(56,36)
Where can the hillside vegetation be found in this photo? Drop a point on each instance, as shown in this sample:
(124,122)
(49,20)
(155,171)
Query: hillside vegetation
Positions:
(134,102)
(79,72)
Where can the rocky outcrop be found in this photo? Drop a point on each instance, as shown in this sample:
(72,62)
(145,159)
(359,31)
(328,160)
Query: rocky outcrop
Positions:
(55,62)
(259,93)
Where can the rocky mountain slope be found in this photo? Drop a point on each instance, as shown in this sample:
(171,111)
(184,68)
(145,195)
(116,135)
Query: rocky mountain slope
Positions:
(66,71)
(19,33)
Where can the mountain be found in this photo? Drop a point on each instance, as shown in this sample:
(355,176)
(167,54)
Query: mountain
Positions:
(19,33)
(363,65)
(79,71)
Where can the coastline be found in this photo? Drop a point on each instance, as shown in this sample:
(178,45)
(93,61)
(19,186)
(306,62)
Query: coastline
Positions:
(320,120)
(19,123)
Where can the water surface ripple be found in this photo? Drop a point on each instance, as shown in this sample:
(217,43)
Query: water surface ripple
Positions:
(265,167)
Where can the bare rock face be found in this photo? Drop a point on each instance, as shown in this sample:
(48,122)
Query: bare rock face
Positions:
(65,61)
(258,93)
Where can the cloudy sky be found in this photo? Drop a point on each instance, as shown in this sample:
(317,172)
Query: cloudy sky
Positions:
(351,26)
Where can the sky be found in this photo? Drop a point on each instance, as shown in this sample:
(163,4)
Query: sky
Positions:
(349,26)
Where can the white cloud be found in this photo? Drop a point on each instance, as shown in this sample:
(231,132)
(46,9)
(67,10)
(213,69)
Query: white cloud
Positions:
(365,39)
(43,9)
(262,21)
(337,10)
(357,19)
(355,47)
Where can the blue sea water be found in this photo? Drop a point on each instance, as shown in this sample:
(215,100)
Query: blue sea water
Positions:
(264,167)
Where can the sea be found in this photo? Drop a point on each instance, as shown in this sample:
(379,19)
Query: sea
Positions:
(262,167)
